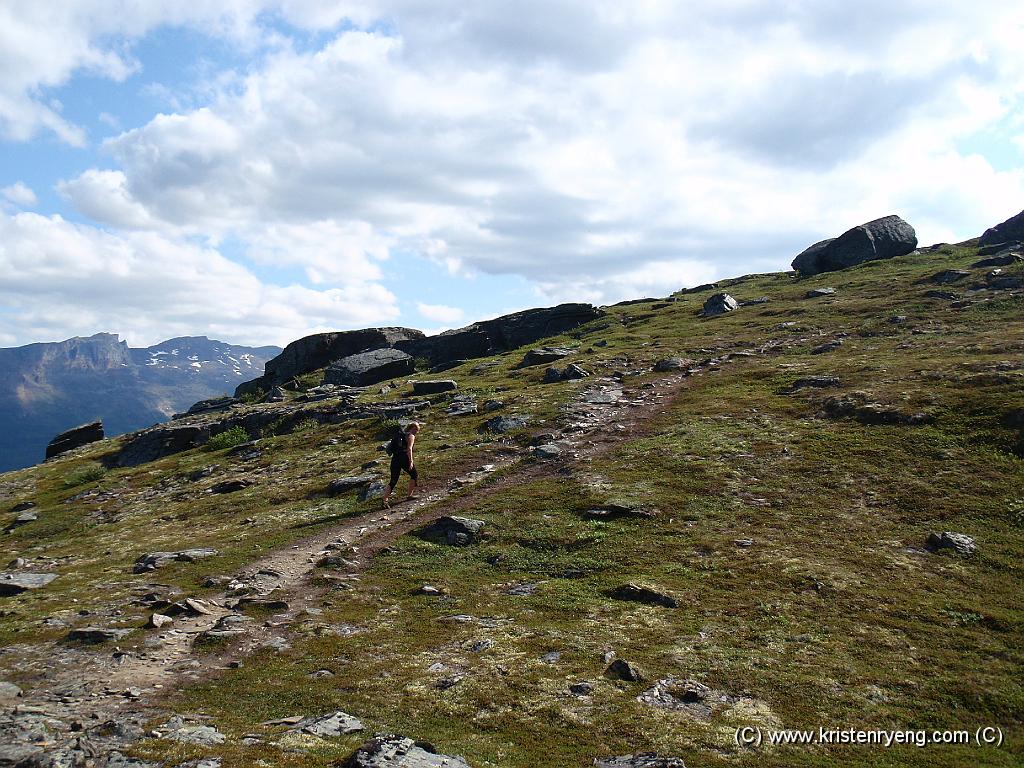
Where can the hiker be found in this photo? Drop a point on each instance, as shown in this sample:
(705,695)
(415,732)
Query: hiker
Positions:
(400,449)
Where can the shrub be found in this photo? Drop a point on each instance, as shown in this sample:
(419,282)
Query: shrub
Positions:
(255,396)
(229,438)
(306,426)
(88,473)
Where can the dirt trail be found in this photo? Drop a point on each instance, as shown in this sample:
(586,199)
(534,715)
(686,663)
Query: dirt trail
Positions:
(95,687)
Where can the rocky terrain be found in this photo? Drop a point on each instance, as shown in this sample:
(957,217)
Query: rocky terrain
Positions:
(51,387)
(790,500)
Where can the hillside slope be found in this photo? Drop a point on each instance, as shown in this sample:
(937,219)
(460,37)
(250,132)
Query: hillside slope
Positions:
(50,387)
(724,525)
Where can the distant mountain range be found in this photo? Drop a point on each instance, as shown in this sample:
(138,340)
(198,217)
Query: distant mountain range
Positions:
(50,387)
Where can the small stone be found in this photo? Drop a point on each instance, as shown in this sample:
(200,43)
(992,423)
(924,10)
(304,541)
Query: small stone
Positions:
(547,451)
(960,543)
(429,589)
(9,691)
(158,620)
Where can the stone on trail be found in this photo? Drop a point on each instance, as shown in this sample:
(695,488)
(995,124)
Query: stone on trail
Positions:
(96,635)
(638,594)
(455,531)
(640,760)
(330,725)
(433,387)
(719,304)
(393,751)
(373,491)
(960,543)
(227,627)
(14,583)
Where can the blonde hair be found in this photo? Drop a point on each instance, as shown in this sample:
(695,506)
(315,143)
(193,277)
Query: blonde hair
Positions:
(412,426)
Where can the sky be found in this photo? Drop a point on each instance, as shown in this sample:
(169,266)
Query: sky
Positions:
(259,170)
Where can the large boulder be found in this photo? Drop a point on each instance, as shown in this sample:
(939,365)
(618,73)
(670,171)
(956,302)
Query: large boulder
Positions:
(1009,231)
(75,438)
(14,583)
(392,751)
(719,304)
(317,351)
(883,238)
(158,442)
(433,386)
(371,367)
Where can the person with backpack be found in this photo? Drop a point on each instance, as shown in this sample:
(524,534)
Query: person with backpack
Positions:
(400,449)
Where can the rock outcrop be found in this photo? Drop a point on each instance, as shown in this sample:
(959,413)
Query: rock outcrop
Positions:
(883,238)
(75,438)
(391,751)
(1009,231)
(371,367)
(311,353)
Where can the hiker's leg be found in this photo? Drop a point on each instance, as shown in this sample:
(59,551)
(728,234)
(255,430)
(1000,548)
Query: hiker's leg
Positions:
(396,470)
(413,479)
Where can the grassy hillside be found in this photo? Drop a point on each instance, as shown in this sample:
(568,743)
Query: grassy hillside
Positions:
(789,524)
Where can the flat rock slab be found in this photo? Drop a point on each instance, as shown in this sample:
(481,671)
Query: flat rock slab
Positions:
(949,276)
(18,582)
(815,382)
(228,627)
(153,560)
(203,735)
(9,691)
(433,386)
(818,293)
(635,593)
(392,751)
(330,725)
(75,438)
(96,635)
(503,424)
(640,760)
(544,356)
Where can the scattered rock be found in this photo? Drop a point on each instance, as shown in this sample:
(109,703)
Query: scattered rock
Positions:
(999,260)
(818,382)
(393,751)
(228,627)
(153,560)
(719,304)
(960,543)
(329,726)
(344,484)
(828,346)
(640,760)
(581,689)
(547,451)
(883,238)
(639,594)
(157,442)
(96,635)
(158,620)
(433,387)
(503,424)
(696,699)
(543,356)
(947,276)
(75,438)
(569,373)
(276,395)
(623,670)
(455,531)
(9,691)
(14,583)
(818,293)
(230,486)
(464,405)
(1010,230)
(946,295)
(202,735)
(670,364)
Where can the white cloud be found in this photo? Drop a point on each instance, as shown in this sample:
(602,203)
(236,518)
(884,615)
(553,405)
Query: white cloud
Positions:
(441,313)
(62,279)
(20,194)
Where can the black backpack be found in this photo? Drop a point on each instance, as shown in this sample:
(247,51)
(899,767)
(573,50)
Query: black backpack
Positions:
(397,444)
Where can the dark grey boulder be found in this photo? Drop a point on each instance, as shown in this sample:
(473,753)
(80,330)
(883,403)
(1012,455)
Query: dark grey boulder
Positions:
(455,531)
(1000,282)
(960,543)
(230,486)
(1010,230)
(22,518)
(947,276)
(75,438)
(673,364)
(828,346)
(21,506)
(640,760)
(462,405)
(620,669)
(543,356)
(503,424)
(638,594)
(156,443)
(433,387)
(319,350)
(719,304)
(210,406)
(883,238)
(373,367)
(818,293)
(343,484)
(393,751)
(570,373)
(17,582)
